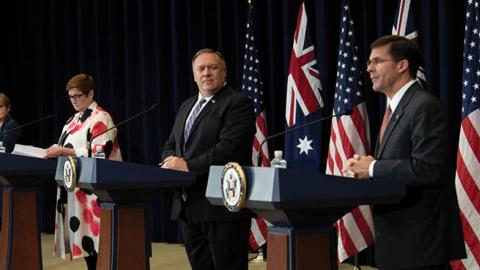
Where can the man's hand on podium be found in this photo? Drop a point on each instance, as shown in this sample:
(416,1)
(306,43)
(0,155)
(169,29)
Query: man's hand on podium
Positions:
(175,163)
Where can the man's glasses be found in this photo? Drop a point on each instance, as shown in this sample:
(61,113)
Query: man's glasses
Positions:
(75,97)
(377,61)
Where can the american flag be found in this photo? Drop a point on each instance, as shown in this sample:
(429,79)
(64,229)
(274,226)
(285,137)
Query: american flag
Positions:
(404,25)
(349,135)
(304,101)
(252,86)
(467,179)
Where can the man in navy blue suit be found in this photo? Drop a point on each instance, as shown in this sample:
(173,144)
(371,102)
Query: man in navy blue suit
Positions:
(214,127)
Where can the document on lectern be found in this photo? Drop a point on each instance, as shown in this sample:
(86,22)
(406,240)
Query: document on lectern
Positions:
(29,150)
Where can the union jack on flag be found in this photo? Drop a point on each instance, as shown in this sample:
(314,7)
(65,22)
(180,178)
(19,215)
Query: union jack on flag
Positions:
(404,25)
(467,178)
(304,101)
(349,135)
(252,86)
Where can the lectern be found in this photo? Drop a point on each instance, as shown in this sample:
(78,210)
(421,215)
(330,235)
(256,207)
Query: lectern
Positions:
(123,189)
(21,178)
(303,206)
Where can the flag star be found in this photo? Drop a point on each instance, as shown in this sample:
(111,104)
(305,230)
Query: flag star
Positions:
(345,101)
(467,70)
(475,86)
(472,44)
(465,83)
(469,57)
(473,99)
(304,145)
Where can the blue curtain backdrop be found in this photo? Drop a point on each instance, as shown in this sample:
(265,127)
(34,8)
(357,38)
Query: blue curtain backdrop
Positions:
(139,53)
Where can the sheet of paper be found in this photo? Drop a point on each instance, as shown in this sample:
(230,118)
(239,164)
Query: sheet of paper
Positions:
(28,150)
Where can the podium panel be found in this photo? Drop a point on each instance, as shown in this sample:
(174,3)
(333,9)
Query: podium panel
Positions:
(303,206)
(21,178)
(123,190)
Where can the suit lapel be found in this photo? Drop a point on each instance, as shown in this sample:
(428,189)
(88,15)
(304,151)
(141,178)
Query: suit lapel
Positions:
(395,119)
(208,108)
(211,104)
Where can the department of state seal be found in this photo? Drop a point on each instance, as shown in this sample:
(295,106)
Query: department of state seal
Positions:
(234,186)
(70,173)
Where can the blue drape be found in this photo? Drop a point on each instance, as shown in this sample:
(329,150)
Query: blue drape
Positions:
(139,53)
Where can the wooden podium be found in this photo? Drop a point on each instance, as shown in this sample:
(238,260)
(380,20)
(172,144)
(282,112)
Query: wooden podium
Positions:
(123,189)
(21,178)
(303,206)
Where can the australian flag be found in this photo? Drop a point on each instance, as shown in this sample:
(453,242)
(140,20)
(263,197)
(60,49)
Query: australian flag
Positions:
(304,101)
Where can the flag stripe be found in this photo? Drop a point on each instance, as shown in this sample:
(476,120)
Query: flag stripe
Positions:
(472,243)
(400,17)
(467,180)
(347,243)
(349,135)
(252,86)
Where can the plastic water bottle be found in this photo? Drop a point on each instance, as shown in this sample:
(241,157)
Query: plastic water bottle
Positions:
(278,161)
(99,153)
(2,148)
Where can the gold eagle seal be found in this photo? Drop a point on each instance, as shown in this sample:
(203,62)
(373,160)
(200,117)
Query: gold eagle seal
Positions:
(70,173)
(234,186)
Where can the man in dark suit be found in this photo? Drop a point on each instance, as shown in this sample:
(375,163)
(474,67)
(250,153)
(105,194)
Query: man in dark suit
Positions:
(423,230)
(211,128)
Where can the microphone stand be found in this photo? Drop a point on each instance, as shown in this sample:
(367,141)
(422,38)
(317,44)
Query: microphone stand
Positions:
(348,112)
(30,123)
(118,125)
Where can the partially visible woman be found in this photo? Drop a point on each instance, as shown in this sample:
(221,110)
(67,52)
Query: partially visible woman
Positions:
(9,131)
(77,213)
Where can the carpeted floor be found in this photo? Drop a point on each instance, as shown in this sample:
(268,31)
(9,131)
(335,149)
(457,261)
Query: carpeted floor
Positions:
(165,256)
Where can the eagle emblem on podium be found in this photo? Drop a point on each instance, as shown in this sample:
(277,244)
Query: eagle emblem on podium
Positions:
(233,186)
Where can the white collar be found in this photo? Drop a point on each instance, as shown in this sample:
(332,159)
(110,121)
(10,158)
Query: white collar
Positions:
(393,102)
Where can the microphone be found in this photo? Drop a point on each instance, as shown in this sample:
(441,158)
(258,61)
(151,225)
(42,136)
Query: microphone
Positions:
(347,112)
(30,123)
(119,125)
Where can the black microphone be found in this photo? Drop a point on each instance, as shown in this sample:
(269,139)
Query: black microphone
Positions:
(347,112)
(118,125)
(30,123)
